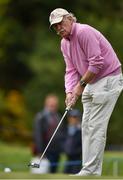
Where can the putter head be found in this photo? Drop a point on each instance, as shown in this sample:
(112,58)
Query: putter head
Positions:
(34,165)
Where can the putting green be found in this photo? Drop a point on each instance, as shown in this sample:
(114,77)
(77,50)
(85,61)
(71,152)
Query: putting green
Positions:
(21,175)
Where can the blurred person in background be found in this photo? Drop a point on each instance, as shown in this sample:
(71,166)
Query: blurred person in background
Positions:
(93,70)
(45,124)
(72,144)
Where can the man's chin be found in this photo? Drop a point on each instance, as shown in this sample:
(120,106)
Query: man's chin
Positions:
(64,36)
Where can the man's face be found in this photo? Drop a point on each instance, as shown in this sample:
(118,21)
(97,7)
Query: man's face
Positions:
(73,120)
(51,103)
(64,27)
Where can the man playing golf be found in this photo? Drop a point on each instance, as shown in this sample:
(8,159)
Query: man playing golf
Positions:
(93,70)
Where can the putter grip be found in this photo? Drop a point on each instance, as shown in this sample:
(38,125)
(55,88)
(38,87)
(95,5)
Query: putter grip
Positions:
(68,108)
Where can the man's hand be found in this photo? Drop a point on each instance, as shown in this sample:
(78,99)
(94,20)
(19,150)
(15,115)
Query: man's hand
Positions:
(71,98)
(68,99)
(77,91)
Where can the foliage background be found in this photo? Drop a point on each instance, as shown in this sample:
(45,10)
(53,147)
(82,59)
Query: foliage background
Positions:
(31,64)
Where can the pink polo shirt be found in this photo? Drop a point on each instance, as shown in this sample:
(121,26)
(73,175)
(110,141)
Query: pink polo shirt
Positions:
(87,49)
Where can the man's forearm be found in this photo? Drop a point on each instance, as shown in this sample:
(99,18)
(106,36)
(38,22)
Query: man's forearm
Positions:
(71,98)
(88,76)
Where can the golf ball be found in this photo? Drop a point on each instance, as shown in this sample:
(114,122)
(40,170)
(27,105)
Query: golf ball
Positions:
(7,170)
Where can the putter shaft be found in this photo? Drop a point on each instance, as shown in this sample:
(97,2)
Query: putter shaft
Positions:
(67,109)
(35,165)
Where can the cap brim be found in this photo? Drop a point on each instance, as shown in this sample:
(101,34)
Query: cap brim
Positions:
(55,21)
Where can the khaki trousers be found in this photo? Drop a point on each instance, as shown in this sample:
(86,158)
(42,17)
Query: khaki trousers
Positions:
(98,100)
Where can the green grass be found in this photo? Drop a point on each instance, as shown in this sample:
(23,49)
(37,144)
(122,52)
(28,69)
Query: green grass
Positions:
(113,163)
(17,158)
(50,176)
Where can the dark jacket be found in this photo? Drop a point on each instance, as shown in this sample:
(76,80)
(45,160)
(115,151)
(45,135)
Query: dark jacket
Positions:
(72,144)
(43,130)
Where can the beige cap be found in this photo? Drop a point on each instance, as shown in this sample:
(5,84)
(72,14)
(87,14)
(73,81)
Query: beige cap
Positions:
(56,15)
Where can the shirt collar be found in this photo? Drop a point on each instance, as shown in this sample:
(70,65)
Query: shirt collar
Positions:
(72,31)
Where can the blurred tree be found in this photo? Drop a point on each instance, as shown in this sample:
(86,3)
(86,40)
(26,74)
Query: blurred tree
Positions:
(16,43)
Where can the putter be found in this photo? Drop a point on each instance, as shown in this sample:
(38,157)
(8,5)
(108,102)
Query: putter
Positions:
(37,165)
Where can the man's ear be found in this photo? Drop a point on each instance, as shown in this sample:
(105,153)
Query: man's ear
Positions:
(70,18)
